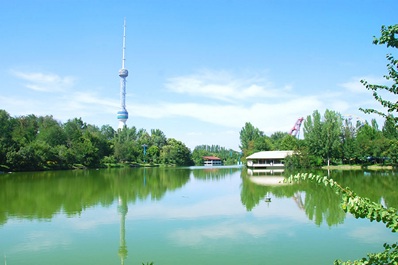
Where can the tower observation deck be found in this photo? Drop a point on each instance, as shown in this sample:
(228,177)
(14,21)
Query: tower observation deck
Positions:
(122,114)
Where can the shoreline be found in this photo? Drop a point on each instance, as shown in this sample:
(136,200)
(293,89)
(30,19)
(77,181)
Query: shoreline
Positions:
(357,167)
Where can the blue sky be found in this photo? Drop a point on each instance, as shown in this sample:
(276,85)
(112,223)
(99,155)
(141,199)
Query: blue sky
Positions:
(198,69)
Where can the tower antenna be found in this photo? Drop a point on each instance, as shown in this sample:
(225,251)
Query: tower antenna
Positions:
(124,43)
(122,114)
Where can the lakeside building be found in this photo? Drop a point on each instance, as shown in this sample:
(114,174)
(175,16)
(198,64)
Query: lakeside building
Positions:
(268,159)
(212,161)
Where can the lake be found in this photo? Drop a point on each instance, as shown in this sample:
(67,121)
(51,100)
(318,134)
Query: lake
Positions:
(185,216)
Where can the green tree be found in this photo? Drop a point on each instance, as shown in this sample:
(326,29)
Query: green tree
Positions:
(108,132)
(176,153)
(331,131)
(323,136)
(276,140)
(289,142)
(392,151)
(248,135)
(25,129)
(51,131)
(366,138)
(262,143)
(153,153)
(388,37)
(349,148)
(74,131)
(126,147)
(100,144)
(6,141)
(158,138)
(312,130)
(390,130)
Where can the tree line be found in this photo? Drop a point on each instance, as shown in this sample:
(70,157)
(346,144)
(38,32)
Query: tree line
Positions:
(330,138)
(41,143)
(30,143)
(228,156)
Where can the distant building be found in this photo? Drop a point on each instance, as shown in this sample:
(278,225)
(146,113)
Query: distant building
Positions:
(212,161)
(268,159)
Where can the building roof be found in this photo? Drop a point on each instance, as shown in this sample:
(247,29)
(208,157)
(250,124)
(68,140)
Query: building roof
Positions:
(270,154)
(211,158)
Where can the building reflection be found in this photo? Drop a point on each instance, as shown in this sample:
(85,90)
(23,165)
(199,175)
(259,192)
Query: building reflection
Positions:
(266,177)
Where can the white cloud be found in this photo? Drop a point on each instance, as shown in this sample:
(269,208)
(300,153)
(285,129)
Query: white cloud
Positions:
(65,102)
(355,85)
(40,239)
(269,116)
(221,85)
(371,234)
(45,82)
(230,230)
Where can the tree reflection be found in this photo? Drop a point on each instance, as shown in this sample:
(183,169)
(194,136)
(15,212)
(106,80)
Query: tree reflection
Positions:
(379,186)
(322,204)
(213,173)
(319,204)
(40,195)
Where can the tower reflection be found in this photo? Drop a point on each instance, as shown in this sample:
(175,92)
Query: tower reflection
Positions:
(122,209)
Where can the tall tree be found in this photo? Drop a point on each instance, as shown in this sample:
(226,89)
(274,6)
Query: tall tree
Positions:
(262,143)
(312,133)
(277,138)
(126,147)
(158,138)
(349,150)
(6,142)
(390,130)
(108,132)
(323,137)
(248,135)
(50,131)
(74,130)
(366,138)
(175,152)
(289,142)
(331,132)
(388,37)
(25,129)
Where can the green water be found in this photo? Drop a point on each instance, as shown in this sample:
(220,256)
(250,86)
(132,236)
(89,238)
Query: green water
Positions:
(184,216)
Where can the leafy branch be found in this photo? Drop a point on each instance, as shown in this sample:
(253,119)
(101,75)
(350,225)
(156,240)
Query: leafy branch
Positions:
(360,207)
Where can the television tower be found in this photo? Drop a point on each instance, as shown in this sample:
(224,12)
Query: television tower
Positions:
(122,114)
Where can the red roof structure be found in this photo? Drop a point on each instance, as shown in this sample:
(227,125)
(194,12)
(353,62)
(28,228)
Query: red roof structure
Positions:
(212,161)
(211,158)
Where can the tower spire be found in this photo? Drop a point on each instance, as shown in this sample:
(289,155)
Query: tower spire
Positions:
(122,114)
(124,43)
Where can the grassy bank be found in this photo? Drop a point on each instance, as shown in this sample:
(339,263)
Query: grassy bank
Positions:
(357,167)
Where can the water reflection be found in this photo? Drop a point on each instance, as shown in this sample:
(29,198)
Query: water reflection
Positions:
(319,203)
(191,211)
(213,173)
(122,209)
(267,177)
(40,195)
